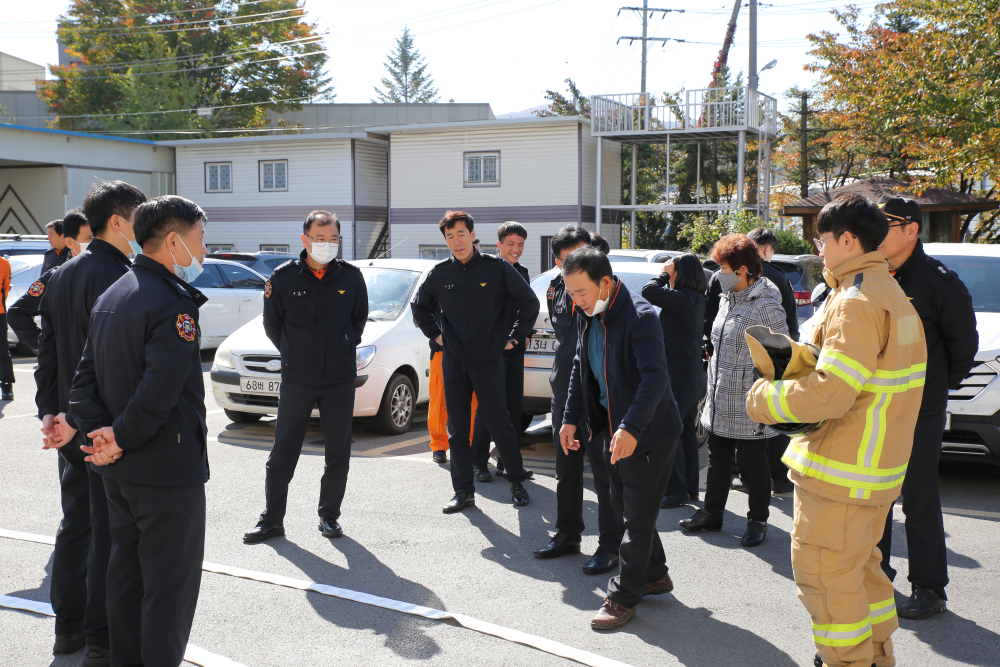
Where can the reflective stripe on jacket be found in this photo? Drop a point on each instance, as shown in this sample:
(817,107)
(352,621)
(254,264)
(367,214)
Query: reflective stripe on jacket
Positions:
(866,389)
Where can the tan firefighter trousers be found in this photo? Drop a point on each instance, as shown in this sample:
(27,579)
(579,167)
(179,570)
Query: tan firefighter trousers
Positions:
(836,564)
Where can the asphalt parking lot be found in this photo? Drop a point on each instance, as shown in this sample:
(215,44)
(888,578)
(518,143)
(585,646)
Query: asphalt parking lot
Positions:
(731,606)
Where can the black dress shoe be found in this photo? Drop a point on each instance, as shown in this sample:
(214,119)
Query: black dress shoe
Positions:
(923,603)
(263,531)
(673,501)
(330,528)
(95,656)
(701,520)
(602,561)
(559,545)
(755,533)
(69,643)
(6,391)
(483,475)
(439,456)
(460,502)
(518,494)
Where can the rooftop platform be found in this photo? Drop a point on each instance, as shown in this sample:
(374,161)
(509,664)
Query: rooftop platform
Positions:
(715,114)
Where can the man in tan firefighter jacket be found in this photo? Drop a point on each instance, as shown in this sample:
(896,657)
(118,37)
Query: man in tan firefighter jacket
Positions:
(866,391)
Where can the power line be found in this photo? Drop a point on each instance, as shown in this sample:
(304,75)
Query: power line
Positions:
(125,30)
(135,16)
(150,113)
(192,57)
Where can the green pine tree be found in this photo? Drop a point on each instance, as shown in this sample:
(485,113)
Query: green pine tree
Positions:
(408,80)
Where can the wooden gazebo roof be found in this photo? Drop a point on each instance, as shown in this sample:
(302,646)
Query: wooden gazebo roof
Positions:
(932,199)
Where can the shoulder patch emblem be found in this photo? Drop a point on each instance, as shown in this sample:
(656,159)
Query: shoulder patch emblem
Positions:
(185,327)
(267,289)
(36,288)
(551,293)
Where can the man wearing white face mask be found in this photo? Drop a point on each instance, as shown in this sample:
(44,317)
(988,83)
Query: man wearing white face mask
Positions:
(140,401)
(315,310)
(84,536)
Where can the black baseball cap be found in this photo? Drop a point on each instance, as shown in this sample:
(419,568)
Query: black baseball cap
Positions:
(901,209)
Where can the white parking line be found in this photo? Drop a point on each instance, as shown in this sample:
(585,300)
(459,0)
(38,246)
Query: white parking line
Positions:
(193,654)
(516,636)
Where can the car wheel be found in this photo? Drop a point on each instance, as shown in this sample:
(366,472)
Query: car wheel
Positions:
(243,417)
(526,420)
(701,431)
(396,413)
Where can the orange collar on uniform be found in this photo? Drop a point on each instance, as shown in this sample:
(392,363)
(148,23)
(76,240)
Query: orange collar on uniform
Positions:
(319,273)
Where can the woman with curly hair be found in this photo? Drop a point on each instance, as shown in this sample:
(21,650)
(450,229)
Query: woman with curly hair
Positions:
(747,299)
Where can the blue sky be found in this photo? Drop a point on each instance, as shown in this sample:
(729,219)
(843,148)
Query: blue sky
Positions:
(508,52)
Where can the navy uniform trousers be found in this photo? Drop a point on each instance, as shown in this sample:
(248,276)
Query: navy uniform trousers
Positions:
(513,370)
(336,412)
(488,383)
(925,542)
(569,488)
(637,486)
(83,546)
(154,573)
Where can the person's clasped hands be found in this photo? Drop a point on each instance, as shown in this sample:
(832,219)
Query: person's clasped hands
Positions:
(56,431)
(104,450)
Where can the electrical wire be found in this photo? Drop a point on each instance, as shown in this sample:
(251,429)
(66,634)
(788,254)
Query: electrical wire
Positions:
(181,11)
(150,113)
(145,31)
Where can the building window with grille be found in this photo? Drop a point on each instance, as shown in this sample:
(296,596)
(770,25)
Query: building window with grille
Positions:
(220,247)
(218,177)
(482,170)
(434,252)
(274,247)
(273,175)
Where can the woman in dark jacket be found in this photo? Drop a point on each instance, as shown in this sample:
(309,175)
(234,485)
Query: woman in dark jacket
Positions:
(679,292)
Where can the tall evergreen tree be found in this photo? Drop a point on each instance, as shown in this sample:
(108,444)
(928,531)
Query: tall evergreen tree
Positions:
(408,80)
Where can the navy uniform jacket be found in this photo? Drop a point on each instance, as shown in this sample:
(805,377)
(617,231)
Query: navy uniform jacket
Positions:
(54,259)
(561,316)
(943,302)
(510,317)
(316,324)
(65,308)
(640,399)
(141,374)
(473,298)
(21,313)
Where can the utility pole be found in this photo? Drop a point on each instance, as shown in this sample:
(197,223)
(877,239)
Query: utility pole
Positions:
(753,44)
(646,11)
(804,147)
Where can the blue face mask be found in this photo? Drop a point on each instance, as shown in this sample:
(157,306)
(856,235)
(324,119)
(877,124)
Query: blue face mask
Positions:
(190,272)
(134,245)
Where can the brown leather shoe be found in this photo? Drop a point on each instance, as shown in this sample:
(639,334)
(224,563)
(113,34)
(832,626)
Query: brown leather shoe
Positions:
(661,587)
(611,616)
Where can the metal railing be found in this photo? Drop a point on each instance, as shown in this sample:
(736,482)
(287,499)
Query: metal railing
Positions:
(701,109)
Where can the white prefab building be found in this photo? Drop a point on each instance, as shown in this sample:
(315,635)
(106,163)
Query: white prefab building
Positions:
(257,191)
(44,173)
(540,172)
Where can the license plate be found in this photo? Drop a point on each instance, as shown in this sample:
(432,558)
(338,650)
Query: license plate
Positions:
(947,421)
(541,346)
(259,386)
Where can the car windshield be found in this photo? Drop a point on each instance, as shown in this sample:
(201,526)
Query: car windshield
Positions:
(389,291)
(981,276)
(626,258)
(633,281)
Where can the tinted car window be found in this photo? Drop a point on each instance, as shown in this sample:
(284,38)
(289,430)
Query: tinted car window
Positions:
(626,258)
(210,278)
(275,263)
(794,273)
(242,278)
(981,276)
(11,252)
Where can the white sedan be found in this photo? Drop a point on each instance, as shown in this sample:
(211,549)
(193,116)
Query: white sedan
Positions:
(235,295)
(393,359)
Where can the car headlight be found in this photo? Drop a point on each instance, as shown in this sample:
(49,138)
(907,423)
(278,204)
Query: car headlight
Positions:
(365,355)
(224,357)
